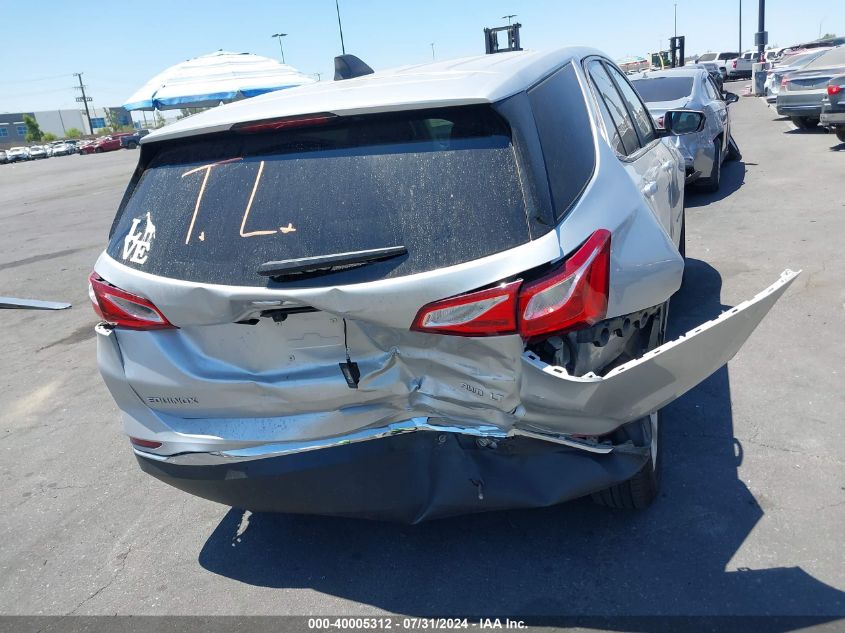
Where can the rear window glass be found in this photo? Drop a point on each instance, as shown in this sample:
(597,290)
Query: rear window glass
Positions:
(663,88)
(443,183)
(728,55)
(707,57)
(833,57)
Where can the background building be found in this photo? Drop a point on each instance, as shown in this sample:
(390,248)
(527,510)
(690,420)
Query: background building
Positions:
(58,122)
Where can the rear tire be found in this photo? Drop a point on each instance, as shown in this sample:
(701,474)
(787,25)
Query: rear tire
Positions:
(132,145)
(840,134)
(99,150)
(711,184)
(638,492)
(805,123)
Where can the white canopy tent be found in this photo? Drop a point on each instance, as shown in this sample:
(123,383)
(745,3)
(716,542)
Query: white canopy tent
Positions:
(219,77)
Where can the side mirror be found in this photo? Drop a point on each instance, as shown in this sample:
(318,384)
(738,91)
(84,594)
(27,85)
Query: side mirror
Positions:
(681,122)
(730,97)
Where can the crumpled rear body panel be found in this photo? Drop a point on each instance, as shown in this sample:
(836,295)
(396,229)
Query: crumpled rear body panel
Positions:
(470,382)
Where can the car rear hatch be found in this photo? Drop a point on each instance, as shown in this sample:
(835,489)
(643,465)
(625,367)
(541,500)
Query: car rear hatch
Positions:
(288,276)
(220,233)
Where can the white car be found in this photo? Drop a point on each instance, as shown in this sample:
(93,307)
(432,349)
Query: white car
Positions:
(720,59)
(61,148)
(37,152)
(16,154)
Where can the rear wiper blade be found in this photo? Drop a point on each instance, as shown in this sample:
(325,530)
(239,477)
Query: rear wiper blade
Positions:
(328,263)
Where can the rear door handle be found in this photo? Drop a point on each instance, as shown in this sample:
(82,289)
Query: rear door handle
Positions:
(650,189)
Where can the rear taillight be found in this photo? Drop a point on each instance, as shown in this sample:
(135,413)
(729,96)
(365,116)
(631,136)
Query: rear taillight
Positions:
(572,296)
(123,309)
(783,82)
(488,312)
(284,123)
(834,90)
(734,64)
(660,122)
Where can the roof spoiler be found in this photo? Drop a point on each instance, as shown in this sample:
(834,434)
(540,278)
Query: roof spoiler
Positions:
(349,66)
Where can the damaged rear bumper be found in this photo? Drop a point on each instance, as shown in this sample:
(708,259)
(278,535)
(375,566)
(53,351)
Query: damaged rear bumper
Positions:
(404,477)
(430,467)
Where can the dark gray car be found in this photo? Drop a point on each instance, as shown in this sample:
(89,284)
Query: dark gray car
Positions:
(801,94)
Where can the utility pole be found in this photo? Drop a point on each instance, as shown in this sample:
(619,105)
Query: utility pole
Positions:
(282,50)
(761,37)
(739,50)
(676,19)
(340,27)
(508,17)
(84,99)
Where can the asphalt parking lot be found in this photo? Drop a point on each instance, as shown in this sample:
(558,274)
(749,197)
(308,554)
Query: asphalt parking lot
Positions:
(751,520)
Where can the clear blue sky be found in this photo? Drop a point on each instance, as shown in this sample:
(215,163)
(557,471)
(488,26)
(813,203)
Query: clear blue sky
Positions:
(119,45)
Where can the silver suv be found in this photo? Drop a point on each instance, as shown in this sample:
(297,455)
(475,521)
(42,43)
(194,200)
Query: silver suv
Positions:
(411,294)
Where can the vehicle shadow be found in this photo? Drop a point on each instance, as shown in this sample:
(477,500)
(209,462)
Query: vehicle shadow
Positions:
(838,148)
(576,559)
(812,130)
(733,177)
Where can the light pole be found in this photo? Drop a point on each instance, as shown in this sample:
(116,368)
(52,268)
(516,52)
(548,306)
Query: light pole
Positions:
(739,52)
(508,17)
(340,27)
(282,50)
(676,19)
(432,51)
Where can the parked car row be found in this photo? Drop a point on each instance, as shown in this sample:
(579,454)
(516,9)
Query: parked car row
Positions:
(433,297)
(128,140)
(36,152)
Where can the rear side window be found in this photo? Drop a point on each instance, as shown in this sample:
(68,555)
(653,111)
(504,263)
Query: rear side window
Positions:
(642,119)
(443,183)
(611,98)
(724,56)
(566,136)
(663,88)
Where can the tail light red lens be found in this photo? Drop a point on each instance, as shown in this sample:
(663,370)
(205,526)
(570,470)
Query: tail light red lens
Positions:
(834,90)
(124,309)
(734,64)
(660,122)
(137,441)
(784,82)
(573,295)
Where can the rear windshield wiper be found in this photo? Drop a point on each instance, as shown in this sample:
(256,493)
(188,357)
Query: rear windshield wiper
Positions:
(292,268)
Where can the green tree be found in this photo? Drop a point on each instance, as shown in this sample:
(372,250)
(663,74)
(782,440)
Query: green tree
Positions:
(49,137)
(33,131)
(827,36)
(160,122)
(73,132)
